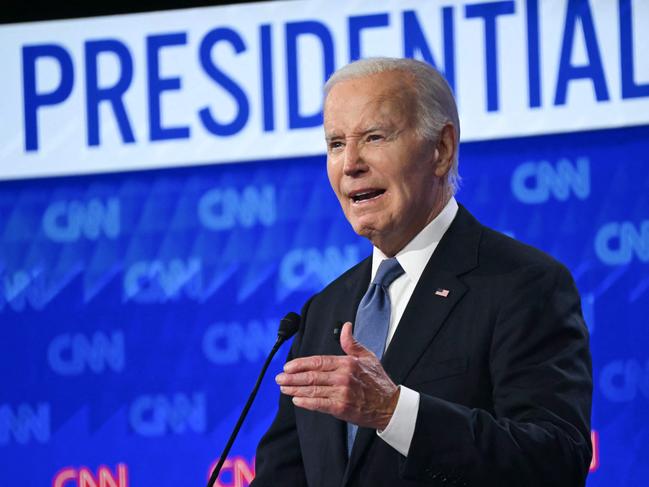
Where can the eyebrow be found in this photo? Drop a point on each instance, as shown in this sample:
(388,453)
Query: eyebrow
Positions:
(373,128)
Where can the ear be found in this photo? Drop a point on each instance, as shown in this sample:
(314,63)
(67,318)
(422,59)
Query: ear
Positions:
(445,150)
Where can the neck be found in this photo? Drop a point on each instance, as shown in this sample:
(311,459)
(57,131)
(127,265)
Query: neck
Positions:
(391,247)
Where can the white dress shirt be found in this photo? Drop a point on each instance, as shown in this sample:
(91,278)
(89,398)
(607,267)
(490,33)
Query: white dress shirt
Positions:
(413,259)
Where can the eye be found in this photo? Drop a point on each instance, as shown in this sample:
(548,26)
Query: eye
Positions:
(335,144)
(374,137)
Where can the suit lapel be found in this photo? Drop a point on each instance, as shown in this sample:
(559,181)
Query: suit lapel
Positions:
(438,291)
(426,312)
(424,316)
(354,287)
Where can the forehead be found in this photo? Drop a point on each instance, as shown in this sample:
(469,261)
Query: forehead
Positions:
(383,98)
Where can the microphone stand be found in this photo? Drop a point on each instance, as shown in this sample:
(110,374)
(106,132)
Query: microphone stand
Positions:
(288,327)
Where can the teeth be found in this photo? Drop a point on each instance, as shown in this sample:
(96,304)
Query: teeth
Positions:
(367,195)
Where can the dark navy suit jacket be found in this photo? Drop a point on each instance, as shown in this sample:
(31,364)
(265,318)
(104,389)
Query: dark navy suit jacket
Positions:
(502,365)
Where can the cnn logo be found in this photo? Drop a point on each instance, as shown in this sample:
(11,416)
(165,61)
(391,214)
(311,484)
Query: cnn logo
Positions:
(84,477)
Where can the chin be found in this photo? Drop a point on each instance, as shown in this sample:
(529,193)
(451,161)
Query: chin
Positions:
(363,230)
(369,232)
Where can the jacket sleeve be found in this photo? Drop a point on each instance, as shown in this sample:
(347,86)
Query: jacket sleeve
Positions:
(279,458)
(538,433)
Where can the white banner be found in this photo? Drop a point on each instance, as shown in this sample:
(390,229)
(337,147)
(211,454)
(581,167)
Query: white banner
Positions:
(244,82)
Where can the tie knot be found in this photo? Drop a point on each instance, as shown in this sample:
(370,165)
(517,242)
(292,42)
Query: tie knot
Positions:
(388,271)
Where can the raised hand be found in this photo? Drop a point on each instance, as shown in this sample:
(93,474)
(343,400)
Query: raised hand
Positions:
(354,387)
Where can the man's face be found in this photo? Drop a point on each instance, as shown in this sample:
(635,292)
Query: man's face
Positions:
(381,170)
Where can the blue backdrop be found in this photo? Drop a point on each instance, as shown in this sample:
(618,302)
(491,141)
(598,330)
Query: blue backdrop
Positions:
(136,308)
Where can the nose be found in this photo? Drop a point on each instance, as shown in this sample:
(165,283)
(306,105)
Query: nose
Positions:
(353,163)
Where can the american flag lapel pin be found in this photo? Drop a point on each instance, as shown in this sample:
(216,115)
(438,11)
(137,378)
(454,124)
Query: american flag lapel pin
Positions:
(442,292)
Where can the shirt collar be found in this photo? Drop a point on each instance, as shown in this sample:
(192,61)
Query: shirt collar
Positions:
(416,254)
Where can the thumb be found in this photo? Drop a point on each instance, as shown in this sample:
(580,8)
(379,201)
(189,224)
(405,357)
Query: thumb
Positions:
(350,345)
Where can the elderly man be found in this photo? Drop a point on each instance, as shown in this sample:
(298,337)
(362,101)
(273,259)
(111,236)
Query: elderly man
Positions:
(463,356)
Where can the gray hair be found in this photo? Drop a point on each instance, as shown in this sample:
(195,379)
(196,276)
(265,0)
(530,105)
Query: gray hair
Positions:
(432,95)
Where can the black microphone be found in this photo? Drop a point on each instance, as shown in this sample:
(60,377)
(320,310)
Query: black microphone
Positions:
(288,326)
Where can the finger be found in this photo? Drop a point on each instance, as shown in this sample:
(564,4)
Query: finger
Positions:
(315,362)
(325,405)
(308,391)
(320,404)
(350,345)
(310,378)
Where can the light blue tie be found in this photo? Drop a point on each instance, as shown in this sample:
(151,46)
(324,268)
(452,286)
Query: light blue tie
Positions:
(373,319)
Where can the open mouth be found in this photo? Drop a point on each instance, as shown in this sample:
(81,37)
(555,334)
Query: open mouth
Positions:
(367,195)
